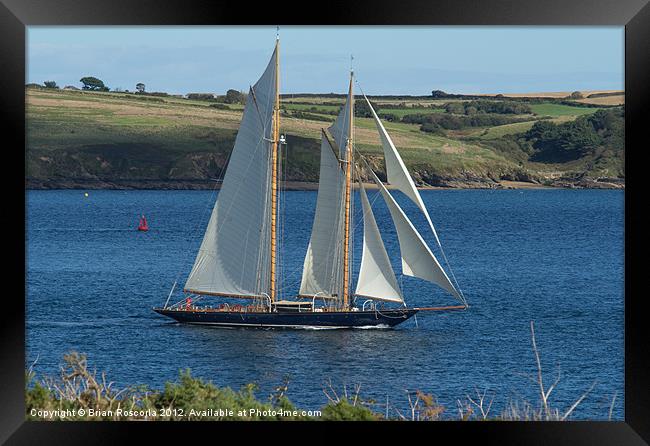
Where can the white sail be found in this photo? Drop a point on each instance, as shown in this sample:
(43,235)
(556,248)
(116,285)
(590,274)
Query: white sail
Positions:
(322,269)
(340,129)
(234,257)
(417,258)
(396,172)
(376,277)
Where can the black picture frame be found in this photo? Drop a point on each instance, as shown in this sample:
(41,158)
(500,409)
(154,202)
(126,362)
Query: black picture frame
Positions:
(15,15)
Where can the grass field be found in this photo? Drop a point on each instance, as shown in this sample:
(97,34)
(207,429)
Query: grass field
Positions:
(487,133)
(378,102)
(502,130)
(605,100)
(555,110)
(75,117)
(308,107)
(88,134)
(172,130)
(328,109)
(548,94)
(401,112)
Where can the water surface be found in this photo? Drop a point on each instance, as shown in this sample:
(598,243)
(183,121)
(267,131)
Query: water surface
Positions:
(551,256)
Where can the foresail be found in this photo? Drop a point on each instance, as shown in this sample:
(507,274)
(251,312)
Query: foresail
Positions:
(417,258)
(234,256)
(322,270)
(376,277)
(396,172)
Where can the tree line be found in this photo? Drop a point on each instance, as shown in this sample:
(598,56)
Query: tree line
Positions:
(91,83)
(477,107)
(601,133)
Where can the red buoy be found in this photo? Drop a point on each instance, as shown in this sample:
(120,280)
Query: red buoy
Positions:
(143,224)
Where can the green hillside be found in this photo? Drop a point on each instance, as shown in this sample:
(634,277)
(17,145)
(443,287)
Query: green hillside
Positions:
(109,139)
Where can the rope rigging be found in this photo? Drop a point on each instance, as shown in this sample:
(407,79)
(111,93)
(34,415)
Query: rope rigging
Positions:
(344,265)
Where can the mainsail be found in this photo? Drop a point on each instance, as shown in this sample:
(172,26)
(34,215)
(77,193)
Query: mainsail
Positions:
(340,130)
(376,277)
(234,257)
(323,268)
(417,258)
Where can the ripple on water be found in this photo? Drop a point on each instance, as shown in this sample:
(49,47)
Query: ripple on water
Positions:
(552,256)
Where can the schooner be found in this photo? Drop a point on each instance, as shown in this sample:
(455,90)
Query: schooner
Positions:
(238,255)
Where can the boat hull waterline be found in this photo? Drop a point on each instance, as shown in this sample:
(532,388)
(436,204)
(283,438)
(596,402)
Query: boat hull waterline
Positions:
(307,319)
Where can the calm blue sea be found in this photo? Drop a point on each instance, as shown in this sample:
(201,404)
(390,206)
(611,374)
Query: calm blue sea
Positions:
(551,256)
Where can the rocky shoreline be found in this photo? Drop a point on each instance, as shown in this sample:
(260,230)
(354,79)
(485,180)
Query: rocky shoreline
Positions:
(97,184)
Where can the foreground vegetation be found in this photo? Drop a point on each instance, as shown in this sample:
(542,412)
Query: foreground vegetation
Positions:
(78,393)
(95,138)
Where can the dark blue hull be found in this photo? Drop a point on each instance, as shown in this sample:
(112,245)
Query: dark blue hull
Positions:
(332,319)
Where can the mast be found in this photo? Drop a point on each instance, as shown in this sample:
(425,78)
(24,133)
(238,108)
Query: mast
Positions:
(274,172)
(348,184)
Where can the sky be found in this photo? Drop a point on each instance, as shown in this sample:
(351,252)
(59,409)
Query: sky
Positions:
(387,59)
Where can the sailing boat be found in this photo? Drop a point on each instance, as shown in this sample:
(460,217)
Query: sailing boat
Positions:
(238,255)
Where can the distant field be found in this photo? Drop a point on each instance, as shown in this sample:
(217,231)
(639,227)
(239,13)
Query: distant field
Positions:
(311,100)
(555,110)
(124,136)
(502,130)
(416,103)
(317,106)
(62,120)
(548,94)
(379,102)
(401,112)
(606,100)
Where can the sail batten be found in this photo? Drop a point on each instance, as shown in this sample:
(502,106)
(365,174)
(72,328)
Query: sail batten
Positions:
(234,257)
(376,276)
(417,258)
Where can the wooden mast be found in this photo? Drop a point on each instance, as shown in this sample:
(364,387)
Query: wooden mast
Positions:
(274,173)
(348,183)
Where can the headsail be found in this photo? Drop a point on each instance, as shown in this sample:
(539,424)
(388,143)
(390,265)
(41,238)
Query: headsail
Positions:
(398,176)
(376,277)
(396,172)
(417,258)
(234,256)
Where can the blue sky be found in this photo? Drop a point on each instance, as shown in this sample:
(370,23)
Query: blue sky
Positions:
(387,60)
